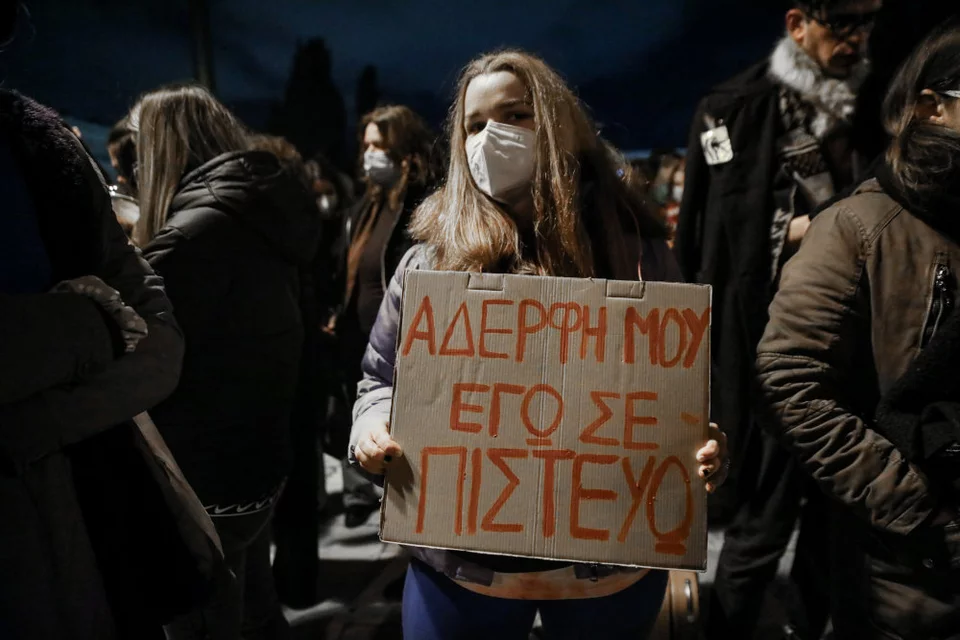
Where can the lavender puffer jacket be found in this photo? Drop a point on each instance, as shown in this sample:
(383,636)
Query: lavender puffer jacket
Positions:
(375,392)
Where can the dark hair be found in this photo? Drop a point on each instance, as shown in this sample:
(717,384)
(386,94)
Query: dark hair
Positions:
(122,147)
(899,29)
(283,150)
(406,137)
(924,157)
(817,7)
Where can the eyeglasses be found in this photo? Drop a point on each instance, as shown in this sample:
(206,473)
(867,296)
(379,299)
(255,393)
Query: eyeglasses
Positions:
(844,25)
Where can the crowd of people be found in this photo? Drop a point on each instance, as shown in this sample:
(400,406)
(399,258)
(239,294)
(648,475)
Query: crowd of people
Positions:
(179,344)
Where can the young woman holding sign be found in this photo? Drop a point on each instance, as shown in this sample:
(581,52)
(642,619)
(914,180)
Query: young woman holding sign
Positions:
(530,189)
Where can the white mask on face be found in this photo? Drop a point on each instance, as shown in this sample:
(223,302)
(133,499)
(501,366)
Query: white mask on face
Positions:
(327,203)
(502,158)
(380,168)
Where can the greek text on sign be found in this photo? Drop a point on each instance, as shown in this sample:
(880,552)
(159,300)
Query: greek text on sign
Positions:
(551,418)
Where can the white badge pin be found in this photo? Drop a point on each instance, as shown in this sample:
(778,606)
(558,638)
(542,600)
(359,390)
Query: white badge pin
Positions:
(717,148)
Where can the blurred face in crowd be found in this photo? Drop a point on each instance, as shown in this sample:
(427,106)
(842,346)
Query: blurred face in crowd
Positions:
(940,109)
(679,177)
(835,38)
(373,139)
(323,189)
(379,164)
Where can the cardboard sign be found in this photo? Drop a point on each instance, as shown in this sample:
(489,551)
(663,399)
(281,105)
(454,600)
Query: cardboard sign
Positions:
(551,418)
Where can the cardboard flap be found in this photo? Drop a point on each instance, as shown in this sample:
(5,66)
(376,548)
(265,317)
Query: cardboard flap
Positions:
(628,290)
(485,282)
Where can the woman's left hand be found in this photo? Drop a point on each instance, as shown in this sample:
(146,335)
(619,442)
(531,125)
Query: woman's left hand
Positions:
(713,459)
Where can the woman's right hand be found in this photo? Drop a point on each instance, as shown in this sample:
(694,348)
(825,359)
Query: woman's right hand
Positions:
(376,449)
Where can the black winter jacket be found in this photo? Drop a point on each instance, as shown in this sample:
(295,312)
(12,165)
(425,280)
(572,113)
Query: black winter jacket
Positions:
(239,232)
(723,236)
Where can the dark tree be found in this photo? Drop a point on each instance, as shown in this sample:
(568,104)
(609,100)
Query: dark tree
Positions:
(368,91)
(313,116)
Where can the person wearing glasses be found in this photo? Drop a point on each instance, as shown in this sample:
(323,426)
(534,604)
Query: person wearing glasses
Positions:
(766,148)
(858,366)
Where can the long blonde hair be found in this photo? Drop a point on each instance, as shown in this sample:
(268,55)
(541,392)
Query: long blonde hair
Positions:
(467,231)
(179,128)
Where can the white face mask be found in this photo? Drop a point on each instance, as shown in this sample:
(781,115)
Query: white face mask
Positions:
(327,203)
(380,168)
(677,193)
(502,158)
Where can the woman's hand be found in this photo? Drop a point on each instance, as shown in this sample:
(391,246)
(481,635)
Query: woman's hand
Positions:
(376,448)
(713,459)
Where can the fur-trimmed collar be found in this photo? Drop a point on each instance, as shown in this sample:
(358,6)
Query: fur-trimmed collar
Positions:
(65,186)
(833,98)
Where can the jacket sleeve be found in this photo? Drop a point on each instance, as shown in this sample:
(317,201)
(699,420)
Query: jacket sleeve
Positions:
(60,416)
(696,190)
(193,271)
(375,391)
(49,339)
(805,363)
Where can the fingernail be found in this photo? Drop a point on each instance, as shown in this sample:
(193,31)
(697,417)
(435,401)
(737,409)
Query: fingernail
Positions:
(388,458)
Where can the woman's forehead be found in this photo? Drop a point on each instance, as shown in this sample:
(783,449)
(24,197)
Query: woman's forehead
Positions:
(490,90)
(372,134)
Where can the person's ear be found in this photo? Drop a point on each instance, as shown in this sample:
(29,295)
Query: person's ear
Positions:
(929,108)
(797,25)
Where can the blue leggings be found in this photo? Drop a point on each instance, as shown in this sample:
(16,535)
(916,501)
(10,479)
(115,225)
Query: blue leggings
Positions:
(437,608)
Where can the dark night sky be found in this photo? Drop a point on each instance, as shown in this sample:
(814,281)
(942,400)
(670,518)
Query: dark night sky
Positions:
(639,64)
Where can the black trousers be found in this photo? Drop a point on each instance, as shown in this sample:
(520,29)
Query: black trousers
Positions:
(296,521)
(776,493)
(247,606)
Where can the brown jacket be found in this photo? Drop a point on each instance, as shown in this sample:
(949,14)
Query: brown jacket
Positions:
(853,311)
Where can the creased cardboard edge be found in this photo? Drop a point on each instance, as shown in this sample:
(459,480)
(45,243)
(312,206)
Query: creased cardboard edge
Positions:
(667,567)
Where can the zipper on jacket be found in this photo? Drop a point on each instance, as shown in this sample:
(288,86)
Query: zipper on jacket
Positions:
(941,302)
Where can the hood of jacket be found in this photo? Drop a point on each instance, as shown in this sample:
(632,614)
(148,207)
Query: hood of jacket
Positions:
(252,187)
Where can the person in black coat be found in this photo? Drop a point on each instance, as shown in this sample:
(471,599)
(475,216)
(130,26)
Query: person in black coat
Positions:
(766,149)
(229,230)
(296,522)
(400,169)
(100,536)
